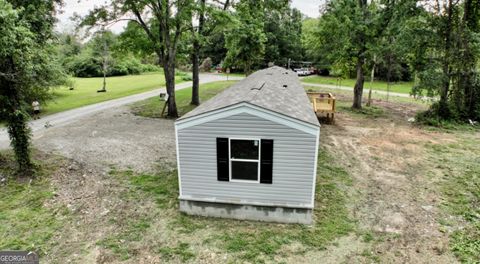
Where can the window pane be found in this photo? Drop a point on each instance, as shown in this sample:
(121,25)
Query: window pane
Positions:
(244,149)
(242,170)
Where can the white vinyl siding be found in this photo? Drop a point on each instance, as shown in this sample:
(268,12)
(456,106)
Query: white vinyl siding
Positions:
(293,162)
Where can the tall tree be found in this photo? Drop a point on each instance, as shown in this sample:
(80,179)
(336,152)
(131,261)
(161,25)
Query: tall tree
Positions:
(283,29)
(345,32)
(446,60)
(209,17)
(163,21)
(245,42)
(348,33)
(27,67)
(102,43)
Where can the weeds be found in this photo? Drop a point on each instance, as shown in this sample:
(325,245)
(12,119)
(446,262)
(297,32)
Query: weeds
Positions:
(370,112)
(182,250)
(460,165)
(26,222)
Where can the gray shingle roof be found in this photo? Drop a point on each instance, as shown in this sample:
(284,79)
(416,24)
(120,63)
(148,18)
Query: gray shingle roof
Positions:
(275,89)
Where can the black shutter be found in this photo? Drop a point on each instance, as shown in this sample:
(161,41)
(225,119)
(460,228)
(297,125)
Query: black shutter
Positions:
(266,161)
(222,159)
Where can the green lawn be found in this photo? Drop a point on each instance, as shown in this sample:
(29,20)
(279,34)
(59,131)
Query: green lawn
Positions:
(398,87)
(153,107)
(85,92)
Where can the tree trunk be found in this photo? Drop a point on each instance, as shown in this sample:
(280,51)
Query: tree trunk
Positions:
(169,70)
(195,74)
(104,79)
(444,111)
(358,89)
(196,56)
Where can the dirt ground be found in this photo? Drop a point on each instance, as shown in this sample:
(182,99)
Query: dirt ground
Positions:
(392,196)
(113,138)
(395,197)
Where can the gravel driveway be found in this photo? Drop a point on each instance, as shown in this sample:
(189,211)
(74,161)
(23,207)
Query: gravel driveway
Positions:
(114,137)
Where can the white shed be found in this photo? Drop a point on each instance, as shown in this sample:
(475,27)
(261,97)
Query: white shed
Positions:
(251,151)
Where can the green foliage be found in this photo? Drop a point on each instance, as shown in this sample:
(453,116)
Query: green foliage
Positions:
(20,139)
(88,60)
(27,66)
(245,41)
(163,28)
(446,59)
(283,28)
(134,40)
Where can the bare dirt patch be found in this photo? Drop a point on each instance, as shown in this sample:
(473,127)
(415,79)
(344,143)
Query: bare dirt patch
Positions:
(397,198)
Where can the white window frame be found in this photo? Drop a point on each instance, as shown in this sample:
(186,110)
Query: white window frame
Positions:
(244,160)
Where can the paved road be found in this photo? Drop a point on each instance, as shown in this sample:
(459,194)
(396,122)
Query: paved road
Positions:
(67,117)
(348,88)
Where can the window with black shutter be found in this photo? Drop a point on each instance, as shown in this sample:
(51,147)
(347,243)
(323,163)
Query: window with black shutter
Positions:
(249,160)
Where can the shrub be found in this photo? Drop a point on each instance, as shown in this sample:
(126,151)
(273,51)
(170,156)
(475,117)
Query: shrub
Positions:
(187,77)
(85,65)
(150,68)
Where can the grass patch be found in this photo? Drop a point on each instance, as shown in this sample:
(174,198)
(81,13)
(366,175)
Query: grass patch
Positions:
(161,187)
(26,222)
(121,243)
(153,107)
(182,250)
(85,92)
(460,165)
(397,87)
(366,111)
(259,242)
(375,96)
(250,241)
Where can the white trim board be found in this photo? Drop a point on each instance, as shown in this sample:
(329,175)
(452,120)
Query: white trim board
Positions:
(178,163)
(248,108)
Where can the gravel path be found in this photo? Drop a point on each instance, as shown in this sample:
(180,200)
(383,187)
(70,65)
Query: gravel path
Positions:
(113,138)
(64,118)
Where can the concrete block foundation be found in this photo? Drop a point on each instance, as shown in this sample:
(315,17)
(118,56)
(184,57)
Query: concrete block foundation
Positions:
(247,212)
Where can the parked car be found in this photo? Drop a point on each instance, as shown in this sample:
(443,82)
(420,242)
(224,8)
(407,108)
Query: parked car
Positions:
(302,72)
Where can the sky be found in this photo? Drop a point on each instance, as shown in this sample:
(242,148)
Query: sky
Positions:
(81,7)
